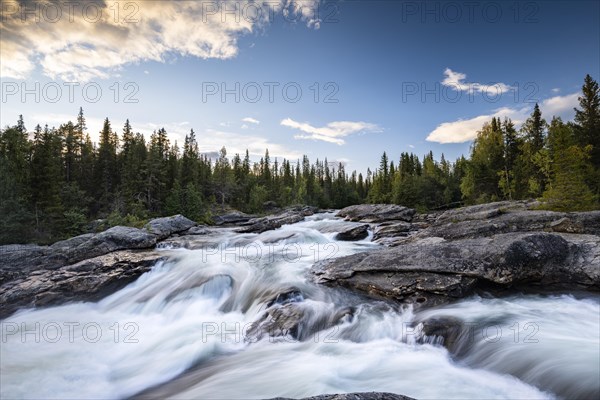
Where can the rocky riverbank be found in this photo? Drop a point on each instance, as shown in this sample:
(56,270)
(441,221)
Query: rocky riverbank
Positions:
(85,267)
(428,259)
(500,248)
(94,265)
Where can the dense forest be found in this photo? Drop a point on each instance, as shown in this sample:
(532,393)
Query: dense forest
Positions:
(55,183)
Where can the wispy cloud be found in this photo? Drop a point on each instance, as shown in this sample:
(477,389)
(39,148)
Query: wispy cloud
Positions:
(333,132)
(213,140)
(457,81)
(463,130)
(77,47)
(251,120)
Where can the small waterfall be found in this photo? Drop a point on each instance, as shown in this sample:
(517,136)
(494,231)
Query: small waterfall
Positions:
(238,318)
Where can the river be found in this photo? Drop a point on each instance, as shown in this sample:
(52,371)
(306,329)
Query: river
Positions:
(188,329)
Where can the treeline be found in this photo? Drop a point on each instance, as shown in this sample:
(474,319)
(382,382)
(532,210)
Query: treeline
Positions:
(558,163)
(55,183)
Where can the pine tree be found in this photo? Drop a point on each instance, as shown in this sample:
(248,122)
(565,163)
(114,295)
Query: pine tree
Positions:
(567,190)
(587,128)
(533,180)
(156,171)
(481,182)
(47,181)
(106,169)
(15,191)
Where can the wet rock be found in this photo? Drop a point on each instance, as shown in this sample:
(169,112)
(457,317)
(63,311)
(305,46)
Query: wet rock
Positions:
(197,230)
(513,221)
(376,213)
(86,280)
(291,296)
(167,226)
(288,216)
(113,239)
(434,271)
(484,211)
(278,321)
(391,230)
(352,234)
(232,218)
(355,396)
(446,331)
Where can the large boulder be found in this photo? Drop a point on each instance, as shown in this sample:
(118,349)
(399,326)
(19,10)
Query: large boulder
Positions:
(20,260)
(167,226)
(392,229)
(288,216)
(353,233)
(83,266)
(432,271)
(376,213)
(232,218)
(113,239)
(86,280)
(468,224)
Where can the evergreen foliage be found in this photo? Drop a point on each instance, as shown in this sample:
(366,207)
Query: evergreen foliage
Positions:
(54,181)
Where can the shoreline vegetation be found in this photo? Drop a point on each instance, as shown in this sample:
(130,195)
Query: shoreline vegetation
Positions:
(55,183)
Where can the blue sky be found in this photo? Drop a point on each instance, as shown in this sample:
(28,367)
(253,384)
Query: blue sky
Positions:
(370,60)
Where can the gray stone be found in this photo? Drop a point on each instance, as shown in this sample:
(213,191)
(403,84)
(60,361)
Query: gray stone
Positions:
(354,396)
(354,233)
(376,213)
(433,272)
(86,280)
(288,216)
(235,217)
(167,226)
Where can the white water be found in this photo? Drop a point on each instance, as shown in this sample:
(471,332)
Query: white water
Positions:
(192,314)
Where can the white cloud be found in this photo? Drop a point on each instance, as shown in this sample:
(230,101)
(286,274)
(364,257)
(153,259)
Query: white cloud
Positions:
(244,126)
(333,132)
(555,90)
(560,106)
(456,81)
(251,120)
(463,130)
(76,47)
(411,146)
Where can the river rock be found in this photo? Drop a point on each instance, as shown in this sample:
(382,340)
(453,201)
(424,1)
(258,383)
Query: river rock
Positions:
(435,271)
(512,221)
(354,396)
(167,226)
(232,218)
(376,213)
(87,280)
(352,234)
(391,229)
(288,216)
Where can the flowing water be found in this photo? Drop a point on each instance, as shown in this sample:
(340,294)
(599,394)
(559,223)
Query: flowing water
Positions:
(189,328)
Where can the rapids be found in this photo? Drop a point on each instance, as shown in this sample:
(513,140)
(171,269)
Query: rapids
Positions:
(185,330)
